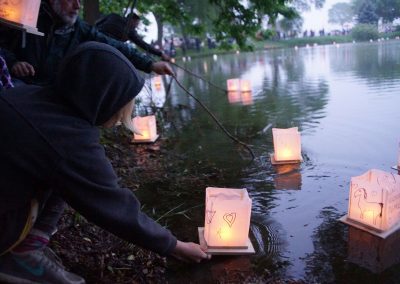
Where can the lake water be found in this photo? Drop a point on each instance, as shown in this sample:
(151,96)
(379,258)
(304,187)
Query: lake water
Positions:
(346,102)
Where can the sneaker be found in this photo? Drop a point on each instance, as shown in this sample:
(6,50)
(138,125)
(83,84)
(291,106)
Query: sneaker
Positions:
(34,267)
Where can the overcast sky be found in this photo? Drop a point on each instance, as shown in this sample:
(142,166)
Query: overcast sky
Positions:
(318,19)
(314,19)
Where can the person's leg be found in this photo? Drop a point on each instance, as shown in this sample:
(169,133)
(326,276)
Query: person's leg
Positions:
(44,227)
(28,261)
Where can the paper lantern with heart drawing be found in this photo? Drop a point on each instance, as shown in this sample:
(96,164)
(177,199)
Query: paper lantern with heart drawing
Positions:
(227,218)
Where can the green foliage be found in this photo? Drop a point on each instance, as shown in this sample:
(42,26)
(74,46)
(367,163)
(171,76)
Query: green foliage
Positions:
(364,32)
(341,13)
(369,11)
(240,21)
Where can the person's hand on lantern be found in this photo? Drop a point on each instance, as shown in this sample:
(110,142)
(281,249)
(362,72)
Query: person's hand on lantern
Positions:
(165,57)
(162,68)
(189,252)
(22,69)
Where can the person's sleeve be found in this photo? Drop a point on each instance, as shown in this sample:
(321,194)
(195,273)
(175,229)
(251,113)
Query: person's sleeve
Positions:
(140,60)
(88,184)
(136,39)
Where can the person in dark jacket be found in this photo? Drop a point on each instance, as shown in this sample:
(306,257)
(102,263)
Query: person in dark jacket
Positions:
(38,61)
(124,29)
(51,154)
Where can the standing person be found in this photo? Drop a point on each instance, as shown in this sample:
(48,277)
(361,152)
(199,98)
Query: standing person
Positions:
(5,78)
(38,61)
(124,29)
(51,154)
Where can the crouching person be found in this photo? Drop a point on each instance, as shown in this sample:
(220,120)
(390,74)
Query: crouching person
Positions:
(51,154)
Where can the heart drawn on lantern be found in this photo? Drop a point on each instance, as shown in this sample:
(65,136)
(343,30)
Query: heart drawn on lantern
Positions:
(210,216)
(230,218)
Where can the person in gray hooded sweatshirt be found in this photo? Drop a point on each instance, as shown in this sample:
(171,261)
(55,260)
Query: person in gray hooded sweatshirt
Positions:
(51,154)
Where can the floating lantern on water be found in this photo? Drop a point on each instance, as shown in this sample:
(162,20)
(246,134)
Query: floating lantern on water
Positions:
(184,59)
(23,13)
(146,125)
(296,47)
(237,52)
(233,85)
(245,86)
(287,146)
(172,60)
(227,221)
(215,57)
(372,252)
(157,83)
(374,202)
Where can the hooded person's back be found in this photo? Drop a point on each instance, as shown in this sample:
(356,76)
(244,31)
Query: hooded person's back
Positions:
(50,144)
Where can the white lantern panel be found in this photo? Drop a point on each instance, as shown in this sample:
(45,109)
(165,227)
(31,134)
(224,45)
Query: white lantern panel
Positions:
(24,12)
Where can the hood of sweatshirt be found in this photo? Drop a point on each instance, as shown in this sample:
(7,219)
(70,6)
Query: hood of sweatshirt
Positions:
(96,80)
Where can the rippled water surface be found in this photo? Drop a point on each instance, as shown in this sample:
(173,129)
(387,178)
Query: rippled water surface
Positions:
(346,102)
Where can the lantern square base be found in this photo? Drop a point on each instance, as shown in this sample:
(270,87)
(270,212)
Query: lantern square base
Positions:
(137,141)
(383,234)
(21,27)
(225,251)
(275,162)
(395,168)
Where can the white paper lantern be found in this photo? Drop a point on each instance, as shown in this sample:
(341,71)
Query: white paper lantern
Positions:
(287,145)
(374,200)
(227,218)
(233,85)
(23,12)
(147,126)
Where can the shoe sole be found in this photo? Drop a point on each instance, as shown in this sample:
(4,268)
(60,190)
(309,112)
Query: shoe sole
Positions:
(5,278)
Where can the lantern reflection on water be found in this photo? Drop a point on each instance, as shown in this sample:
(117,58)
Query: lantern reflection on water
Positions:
(372,252)
(147,127)
(287,146)
(234,97)
(288,177)
(23,13)
(374,203)
(227,221)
